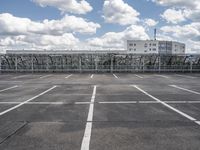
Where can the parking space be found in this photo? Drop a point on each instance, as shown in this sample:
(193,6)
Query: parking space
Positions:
(148,135)
(168,93)
(100,111)
(119,93)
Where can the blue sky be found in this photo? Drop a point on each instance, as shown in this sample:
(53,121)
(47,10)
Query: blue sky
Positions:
(96,24)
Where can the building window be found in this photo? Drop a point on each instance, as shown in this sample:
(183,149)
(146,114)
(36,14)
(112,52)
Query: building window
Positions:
(131,44)
(134,44)
(154,44)
(150,49)
(130,49)
(145,45)
(150,44)
(134,49)
(154,49)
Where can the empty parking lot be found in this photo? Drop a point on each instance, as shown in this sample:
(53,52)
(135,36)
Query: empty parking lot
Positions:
(100,111)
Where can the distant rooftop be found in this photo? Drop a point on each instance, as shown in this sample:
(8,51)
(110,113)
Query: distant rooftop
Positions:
(62,51)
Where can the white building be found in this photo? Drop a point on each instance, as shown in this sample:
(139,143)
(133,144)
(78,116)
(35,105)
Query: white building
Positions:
(155,47)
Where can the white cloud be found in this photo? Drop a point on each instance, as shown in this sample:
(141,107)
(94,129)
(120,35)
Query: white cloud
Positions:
(20,33)
(65,41)
(116,40)
(189,34)
(44,40)
(150,22)
(11,25)
(194,15)
(72,6)
(181,10)
(117,11)
(174,16)
(191,4)
(183,32)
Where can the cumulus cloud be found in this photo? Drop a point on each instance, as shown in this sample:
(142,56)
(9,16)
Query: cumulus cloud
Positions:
(11,25)
(181,10)
(72,6)
(174,16)
(189,33)
(183,32)
(150,22)
(65,41)
(117,11)
(192,4)
(116,40)
(24,33)
(194,15)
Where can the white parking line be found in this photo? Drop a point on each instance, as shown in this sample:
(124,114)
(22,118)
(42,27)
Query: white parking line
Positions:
(9,88)
(150,102)
(139,76)
(36,103)
(22,103)
(88,129)
(167,105)
(115,76)
(166,77)
(119,102)
(184,89)
(92,76)
(42,77)
(113,102)
(186,76)
(68,76)
(17,77)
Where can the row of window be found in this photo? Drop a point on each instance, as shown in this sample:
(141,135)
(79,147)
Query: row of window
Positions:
(153,49)
(145,45)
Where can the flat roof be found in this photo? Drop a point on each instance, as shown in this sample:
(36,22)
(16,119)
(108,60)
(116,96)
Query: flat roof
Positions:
(154,41)
(63,51)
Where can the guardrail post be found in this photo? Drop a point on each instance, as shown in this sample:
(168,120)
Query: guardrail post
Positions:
(47,63)
(80,63)
(16,63)
(111,64)
(159,61)
(32,63)
(191,66)
(0,64)
(143,63)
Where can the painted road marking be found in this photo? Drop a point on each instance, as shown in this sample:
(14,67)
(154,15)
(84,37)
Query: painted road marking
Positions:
(166,77)
(92,76)
(150,102)
(22,103)
(186,76)
(119,102)
(139,76)
(167,105)
(17,77)
(184,89)
(88,129)
(68,76)
(9,88)
(42,77)
(105,102)
(49,103)
(115,76)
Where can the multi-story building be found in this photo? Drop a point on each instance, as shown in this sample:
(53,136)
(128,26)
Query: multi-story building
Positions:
(155,47)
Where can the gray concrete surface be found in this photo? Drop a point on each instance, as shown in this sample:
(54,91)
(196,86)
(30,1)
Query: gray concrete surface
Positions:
(124,118)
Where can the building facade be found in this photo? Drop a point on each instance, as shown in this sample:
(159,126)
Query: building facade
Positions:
(155,47)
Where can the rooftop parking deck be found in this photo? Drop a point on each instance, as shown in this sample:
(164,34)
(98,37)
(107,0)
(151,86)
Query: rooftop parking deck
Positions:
(120,111)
